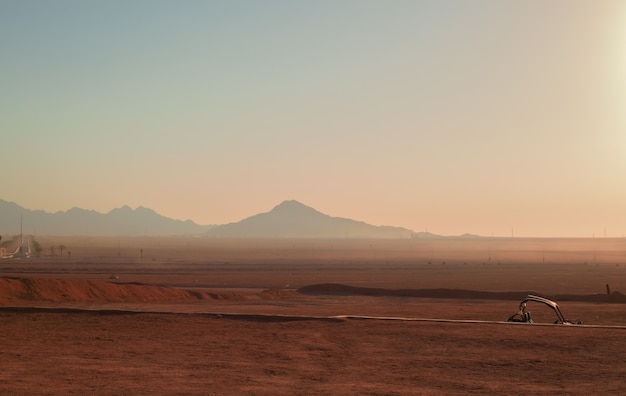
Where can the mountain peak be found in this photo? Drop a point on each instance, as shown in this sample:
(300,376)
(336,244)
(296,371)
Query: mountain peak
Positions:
(122,210)
(292,208)
(290,204)
(144,210)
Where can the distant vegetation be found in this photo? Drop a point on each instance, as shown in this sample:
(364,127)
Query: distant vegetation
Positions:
(37,247)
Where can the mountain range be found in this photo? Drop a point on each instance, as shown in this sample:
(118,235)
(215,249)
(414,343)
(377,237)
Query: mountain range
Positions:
(290,219)
(76,221)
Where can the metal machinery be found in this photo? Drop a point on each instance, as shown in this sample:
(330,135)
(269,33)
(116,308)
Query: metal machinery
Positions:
(524,316)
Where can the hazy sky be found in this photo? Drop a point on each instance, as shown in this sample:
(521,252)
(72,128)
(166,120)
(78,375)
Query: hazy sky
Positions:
(481,116)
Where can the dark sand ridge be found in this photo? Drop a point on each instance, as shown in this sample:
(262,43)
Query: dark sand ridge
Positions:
(339,289)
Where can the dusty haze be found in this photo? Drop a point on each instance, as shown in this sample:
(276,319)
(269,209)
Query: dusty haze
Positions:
(199,315)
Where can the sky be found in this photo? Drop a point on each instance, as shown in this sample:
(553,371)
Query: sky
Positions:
(491,117)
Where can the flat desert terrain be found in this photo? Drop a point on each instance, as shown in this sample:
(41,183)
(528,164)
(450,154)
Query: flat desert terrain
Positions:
(199,316)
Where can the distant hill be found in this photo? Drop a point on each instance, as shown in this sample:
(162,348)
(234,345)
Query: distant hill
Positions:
(291,219)
(121,221)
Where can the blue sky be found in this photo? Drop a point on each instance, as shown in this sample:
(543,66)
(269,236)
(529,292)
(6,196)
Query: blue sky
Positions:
(456,116)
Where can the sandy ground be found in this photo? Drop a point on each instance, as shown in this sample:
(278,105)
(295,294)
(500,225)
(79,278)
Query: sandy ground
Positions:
(86,342)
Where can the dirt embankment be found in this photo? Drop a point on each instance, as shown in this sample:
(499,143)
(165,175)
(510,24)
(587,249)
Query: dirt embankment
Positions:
(28,290)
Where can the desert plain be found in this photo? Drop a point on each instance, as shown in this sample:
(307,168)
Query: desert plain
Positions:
(196,316)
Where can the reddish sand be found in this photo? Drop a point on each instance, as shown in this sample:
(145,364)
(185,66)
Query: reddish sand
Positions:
(184,339)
